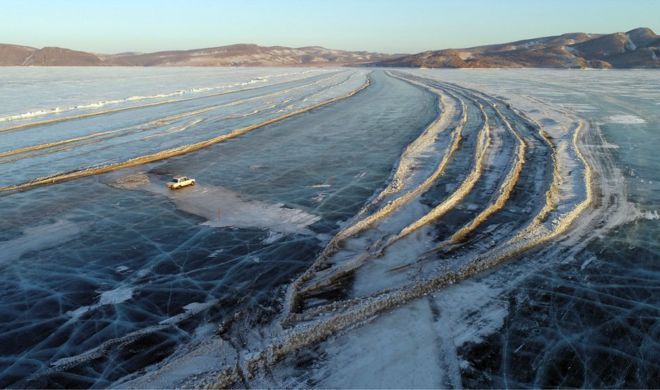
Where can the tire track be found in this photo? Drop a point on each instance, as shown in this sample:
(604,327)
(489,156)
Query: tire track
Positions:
(293,296)
(123,109)
(311,331)
(335,275)
(483,142)
(309,284)
(66,176)
(158,122)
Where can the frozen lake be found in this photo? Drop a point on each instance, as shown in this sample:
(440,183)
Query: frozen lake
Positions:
(498,227)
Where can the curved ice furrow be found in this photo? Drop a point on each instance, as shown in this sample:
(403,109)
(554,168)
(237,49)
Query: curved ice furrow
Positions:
(328,278)
(96,151)
(58,178)
(420,146)
(504,191)
(167,119)
(313,329)
(552,193)
(151,125)
(293,298)
(310,333)
(536,163)
(123,109)
(540,233)
(364,223)
(459,194)
(107,102)
(551,196)
(395,204)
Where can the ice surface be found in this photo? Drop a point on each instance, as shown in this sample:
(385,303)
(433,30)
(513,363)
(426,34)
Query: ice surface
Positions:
(165,276)
(114,280)
(73,95)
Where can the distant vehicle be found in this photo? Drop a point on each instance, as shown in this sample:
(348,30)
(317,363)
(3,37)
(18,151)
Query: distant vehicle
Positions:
(180,182)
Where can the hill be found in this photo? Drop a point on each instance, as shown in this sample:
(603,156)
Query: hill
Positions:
(638,48)
(233,55)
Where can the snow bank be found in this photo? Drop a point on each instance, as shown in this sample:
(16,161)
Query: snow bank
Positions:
(625,119)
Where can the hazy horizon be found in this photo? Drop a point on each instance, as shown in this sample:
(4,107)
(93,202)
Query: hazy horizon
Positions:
(383,26)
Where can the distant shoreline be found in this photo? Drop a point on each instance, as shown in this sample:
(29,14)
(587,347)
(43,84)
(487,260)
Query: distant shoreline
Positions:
(638,48)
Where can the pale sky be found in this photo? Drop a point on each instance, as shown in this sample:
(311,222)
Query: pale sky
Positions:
(404,26)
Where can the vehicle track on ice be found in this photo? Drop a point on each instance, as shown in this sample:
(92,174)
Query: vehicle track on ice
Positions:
(172,152)
(525,199)
(463,168)
(153,124)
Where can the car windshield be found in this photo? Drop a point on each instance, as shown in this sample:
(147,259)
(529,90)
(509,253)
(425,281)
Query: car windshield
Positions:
(175,180)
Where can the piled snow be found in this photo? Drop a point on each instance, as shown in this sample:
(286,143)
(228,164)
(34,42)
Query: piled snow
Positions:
(651,215)
(116,296)
(189,310)
(272,237)
(110,297)
(223,208)
(625,119)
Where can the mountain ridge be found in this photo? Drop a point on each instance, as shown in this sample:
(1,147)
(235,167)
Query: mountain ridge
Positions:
(637,48)
(230,55)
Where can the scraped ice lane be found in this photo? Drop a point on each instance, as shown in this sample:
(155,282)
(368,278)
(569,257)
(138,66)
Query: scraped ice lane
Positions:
(61,93)
(389,253)
(134,273)
(113,141)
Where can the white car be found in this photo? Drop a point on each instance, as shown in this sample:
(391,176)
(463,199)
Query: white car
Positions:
(180,182)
